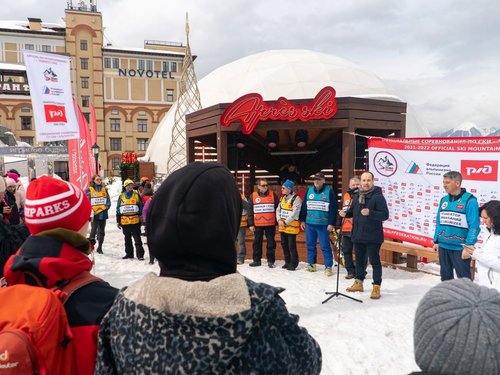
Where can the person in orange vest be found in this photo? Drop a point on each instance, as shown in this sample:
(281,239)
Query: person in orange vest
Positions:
(287,215)
(262,219)
(128,217)
(346,228)
(243,230)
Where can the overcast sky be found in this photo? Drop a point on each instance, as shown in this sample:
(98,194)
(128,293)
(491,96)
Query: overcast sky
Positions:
(442,57)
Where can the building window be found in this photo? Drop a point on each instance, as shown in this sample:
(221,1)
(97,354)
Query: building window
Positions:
(28,140)
(114,112)
(30,46)
(87,116)
(115,144)
(25,109)
(85,101)
(142,144)
(85,82)
(107,62)
(115,124)
(170,95)
(116,63)
(140,64)
(164,66)
(115,164)
(149,64)
(46,48)
(26,123)
(84,63)
(142,125)
(84,45)
(173,66)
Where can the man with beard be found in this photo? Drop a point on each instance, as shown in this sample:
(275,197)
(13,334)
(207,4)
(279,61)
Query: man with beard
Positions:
(368,211)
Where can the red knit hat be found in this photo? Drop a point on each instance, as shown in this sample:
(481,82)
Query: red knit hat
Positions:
(52,203)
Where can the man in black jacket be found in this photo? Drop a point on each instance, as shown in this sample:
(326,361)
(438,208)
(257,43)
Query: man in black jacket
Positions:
(368,210)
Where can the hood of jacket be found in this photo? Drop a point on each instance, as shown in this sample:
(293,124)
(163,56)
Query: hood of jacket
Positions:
(193,222)
(49,259)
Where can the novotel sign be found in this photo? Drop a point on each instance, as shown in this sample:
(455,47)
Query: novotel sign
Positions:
(251,108)
(145,73)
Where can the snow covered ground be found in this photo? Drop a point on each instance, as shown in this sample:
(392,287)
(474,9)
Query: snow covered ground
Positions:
(373,337)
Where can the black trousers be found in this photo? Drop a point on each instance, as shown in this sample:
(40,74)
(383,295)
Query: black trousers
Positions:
(133,231)
(97,231)
(270,232)
(289,245)
(372,252)
(347,247)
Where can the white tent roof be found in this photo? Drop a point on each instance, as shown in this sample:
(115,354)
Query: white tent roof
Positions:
(293,74)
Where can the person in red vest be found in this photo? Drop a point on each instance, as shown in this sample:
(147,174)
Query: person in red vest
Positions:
(346,228)
(262,219)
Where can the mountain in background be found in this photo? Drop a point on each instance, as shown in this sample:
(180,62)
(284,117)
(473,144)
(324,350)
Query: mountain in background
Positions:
(468,129)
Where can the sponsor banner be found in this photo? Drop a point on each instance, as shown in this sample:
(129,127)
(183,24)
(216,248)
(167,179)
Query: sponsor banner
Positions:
(410,172)
(50,91)
(81,165)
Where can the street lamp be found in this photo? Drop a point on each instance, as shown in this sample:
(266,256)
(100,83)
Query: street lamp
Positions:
(95,152)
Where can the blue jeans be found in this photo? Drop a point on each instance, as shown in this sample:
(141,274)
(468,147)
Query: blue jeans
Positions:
(241,243)
(313,234)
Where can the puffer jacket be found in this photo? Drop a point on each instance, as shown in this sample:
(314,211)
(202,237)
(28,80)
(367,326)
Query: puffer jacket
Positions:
(368,229)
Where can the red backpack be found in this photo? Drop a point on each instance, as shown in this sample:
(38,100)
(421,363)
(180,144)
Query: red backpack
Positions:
(35,336)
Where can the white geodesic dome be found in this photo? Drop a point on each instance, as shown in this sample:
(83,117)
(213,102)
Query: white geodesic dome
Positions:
(293,74)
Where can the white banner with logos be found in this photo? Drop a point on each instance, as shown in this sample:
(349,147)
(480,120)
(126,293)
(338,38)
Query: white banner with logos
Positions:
(410,172)
(50,91)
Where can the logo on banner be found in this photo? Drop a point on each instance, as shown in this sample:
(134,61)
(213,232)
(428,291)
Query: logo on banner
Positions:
(55,113)
(413,168)
(54,91)
(479,170)
(385,163)
(50,75)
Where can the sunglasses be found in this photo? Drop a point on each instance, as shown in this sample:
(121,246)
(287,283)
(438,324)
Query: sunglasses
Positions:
(263,185)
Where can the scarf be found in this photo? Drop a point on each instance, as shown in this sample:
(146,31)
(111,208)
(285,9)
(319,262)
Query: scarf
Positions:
(363,193)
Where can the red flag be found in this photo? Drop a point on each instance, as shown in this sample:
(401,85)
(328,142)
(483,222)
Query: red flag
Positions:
(93,124)
(81,168)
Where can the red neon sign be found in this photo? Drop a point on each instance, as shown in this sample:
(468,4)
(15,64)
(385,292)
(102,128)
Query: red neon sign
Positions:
(251,108)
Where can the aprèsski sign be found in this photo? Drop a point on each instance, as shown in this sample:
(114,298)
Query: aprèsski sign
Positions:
(251,108)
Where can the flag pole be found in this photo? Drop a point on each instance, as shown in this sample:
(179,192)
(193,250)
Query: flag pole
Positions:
(75,103)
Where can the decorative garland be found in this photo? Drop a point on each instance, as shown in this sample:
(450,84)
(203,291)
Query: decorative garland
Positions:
(125,166)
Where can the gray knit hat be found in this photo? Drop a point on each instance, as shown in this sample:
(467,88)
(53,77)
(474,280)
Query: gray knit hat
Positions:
(457,329)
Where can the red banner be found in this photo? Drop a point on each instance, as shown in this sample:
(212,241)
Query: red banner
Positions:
(81,167)
(251,108)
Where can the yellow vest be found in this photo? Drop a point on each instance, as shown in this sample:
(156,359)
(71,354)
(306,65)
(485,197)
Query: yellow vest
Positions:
(285,212)
(129,209)
(98,199)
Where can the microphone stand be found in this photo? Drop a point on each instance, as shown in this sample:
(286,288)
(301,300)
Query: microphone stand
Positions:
(338,244)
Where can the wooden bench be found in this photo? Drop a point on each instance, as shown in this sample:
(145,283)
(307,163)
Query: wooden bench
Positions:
(391,250)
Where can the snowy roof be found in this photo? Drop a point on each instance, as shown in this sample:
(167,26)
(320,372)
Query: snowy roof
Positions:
(141,50)
(293,74)
(24,26)
(7,66)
